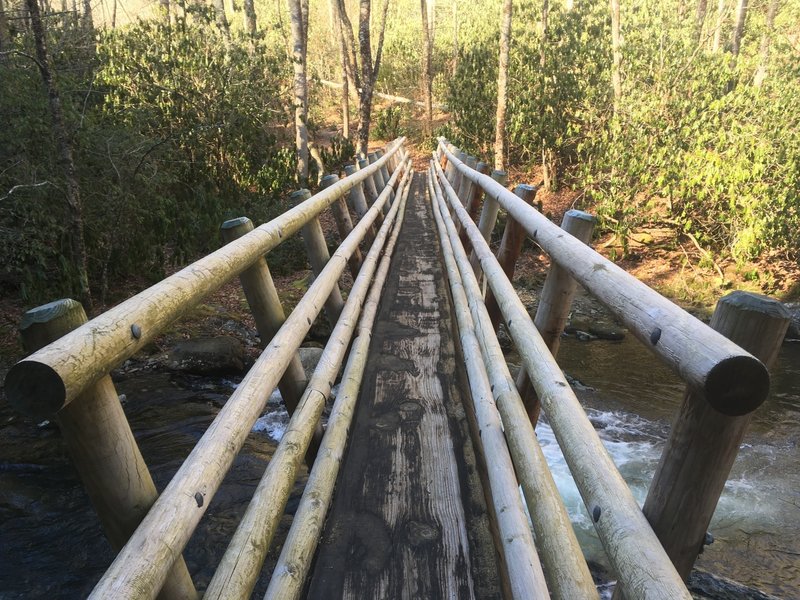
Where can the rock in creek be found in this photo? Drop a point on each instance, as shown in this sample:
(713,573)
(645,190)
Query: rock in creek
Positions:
(222,355)
(793,333)
(309,357)
(586,331)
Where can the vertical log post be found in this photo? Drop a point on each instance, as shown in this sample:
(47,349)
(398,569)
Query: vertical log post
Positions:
(384,168)
(464,191)
(358,204)
(703,443)
(370,191)
(318,256)
(343,223)
(489,216)
(457,176)
(377,176)
(555,303)
(102,445)
(473,203)
(510,247)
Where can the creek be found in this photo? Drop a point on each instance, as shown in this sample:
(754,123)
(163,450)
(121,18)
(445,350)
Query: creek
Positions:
(51,545)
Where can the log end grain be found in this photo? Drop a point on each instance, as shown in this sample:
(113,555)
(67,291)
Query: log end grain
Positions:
(35,389)
(737,385)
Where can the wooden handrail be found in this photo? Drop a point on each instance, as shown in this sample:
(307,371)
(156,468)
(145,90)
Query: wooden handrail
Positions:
(731,380)
(633,549)
(565,569)
(51,378)
(141,567)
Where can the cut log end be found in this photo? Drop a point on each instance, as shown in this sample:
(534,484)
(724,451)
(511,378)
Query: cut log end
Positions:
(35,389)
(737,385)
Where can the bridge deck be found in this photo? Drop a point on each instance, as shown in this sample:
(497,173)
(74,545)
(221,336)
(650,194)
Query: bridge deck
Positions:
(409,518)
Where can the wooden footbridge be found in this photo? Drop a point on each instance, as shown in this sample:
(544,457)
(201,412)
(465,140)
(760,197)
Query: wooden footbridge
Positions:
(414,484)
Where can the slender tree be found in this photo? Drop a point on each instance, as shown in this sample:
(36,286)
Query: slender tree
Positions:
(502,93)
(5,35)
(250,22)
(761,73)
(616,76)
(65,156)
(700,19)
(548,155)
(718,26)
(427,43)
(338,32)
(738,28)
(222,20)
(300,89)
(369,69)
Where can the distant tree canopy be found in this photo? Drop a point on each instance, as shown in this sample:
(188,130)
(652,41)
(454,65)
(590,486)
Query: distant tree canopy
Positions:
(186,117)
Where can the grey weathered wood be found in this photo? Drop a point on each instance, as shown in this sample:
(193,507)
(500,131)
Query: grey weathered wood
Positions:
(141,566)
(703,443)
(318,256)
(358,202)
(370,190)
(488,215)
(295,560)
(102,446)
(632,548)
(510,248)
(241,564)
(377,176)
(48,379)
(400,524)
(464,190)
(555,302)
(344,224)
(265,304)
(385,168)
(473,203)
(732,380)
(565,569)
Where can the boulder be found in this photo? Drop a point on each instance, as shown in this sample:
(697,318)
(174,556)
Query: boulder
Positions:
(222,355)
(309,357)
(793,333)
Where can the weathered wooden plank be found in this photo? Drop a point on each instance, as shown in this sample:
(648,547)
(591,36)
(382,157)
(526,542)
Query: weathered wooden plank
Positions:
(406,521)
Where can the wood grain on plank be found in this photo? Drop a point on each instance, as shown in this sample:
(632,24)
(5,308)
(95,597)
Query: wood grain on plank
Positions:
(406,521)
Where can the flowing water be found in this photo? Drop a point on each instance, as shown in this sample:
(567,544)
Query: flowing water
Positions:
(631,399)
(51,545)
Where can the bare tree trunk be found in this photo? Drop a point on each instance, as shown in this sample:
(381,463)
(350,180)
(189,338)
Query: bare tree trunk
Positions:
(5,34)
(365,97)
(502,93)
(114,14)
(379,52)
(426,68)
(300,89)
(222,20)
(700,19)
(250,21)
(349,41)
(738,29)
(718,26)
(761,73)
(338,27)
(65,159)
(87,22)
(455,36)
(548,155)
(616,77)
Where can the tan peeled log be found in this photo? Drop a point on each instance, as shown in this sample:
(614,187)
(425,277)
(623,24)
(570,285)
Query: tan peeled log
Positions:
(52,377)
(565,570)
(510,248)
(358,202)
(141,566)
(732,380)
(633,549)
(488,215)
(294,563)
(241,564)
(522,561)
(555,303)
(265,305)
(703,443)
(102,446)
(318,256)
(344,225)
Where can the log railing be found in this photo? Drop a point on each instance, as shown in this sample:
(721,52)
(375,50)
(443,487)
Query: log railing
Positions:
(725,384)
(66,377)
